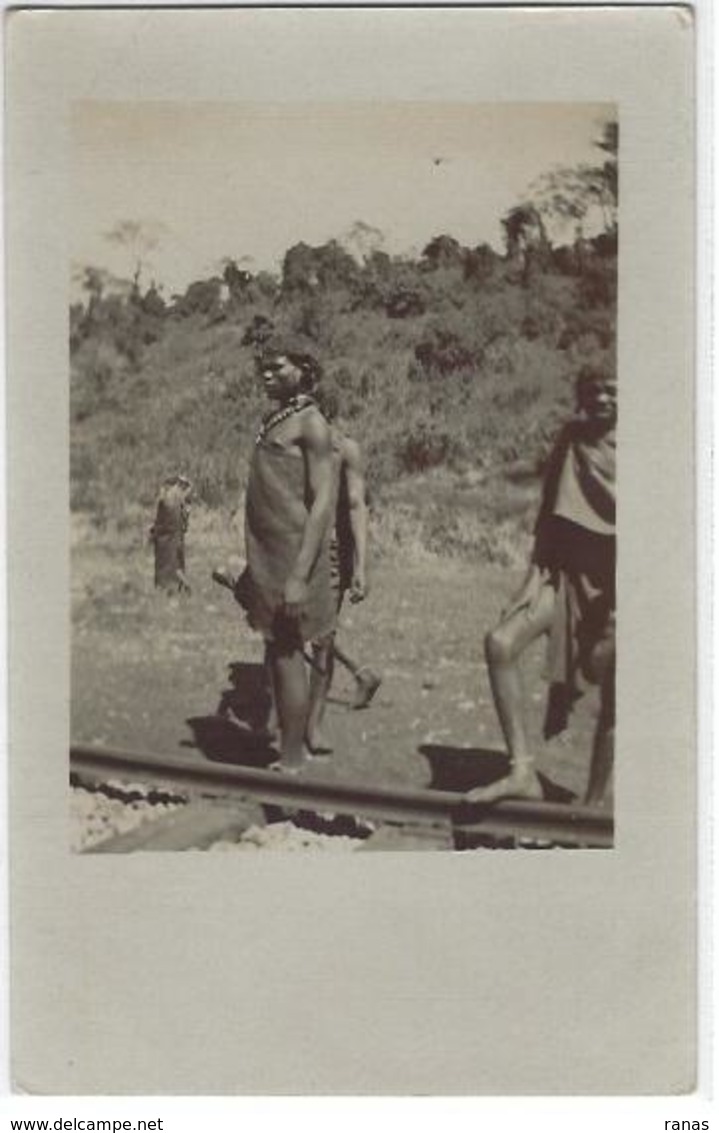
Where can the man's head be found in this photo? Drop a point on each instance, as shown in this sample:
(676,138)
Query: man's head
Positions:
(179,485)
(287,373)
(596,390)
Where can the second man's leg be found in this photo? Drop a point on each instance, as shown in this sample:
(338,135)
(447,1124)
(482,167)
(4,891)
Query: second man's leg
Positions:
(289,682)
(320,681)
(602,763)
(504,647)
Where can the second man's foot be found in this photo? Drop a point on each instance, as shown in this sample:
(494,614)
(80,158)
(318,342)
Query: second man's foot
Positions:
(317,746)
(521,783)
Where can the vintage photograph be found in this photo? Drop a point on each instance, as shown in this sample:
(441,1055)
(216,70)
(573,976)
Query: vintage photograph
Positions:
(316,320)
(343,403)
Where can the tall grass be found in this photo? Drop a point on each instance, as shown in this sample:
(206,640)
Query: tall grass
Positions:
(475,383)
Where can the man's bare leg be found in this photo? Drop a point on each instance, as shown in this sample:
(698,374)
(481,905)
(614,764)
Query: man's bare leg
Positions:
(320,681)
(504,647)
(273,723)
(289,682)
(343,659)
(602,765)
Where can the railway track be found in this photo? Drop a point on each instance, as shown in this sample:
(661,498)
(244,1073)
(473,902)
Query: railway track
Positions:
(408,815)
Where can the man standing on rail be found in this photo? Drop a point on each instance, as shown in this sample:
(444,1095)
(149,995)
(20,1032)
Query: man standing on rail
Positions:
(348,563)
(567,594)
(286,587)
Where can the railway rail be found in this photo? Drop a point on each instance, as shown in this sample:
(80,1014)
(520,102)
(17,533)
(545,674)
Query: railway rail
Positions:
(409,810)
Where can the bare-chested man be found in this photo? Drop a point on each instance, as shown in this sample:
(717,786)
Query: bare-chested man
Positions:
(567,594)
(286,588)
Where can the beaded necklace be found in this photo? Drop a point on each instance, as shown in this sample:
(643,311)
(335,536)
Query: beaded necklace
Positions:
(294,405)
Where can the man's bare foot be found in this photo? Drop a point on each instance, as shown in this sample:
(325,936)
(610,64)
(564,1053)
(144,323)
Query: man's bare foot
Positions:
(521,783)
(599,802)
(367,684)
(317,745)
(287,768)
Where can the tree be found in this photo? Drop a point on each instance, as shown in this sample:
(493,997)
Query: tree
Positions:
(78,328)
(609,143)
(152,302)
(201,298)
(363,240)
(336,268)
(480,262)
(299,272)
(524,232)
(575,194)
(236,278)
(93,282)
(327,267)
(444,252)
(139,237)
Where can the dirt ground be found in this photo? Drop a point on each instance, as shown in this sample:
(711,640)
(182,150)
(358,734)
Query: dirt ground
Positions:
(148,671)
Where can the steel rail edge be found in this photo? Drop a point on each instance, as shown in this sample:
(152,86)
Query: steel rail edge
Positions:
(557,821)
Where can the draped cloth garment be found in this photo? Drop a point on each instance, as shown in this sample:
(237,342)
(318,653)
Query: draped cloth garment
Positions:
(277,506)
(575,545)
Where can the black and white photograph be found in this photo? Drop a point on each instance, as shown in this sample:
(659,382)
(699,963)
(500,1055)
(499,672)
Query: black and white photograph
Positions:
(352,529)
(343,396)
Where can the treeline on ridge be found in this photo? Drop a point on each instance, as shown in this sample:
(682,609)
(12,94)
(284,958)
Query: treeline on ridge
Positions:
(452,368)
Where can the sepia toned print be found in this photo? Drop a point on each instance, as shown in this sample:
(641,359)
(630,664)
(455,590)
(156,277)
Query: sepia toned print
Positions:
(195,137)
(343,407)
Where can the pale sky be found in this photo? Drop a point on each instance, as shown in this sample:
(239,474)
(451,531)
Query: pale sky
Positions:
(250,180)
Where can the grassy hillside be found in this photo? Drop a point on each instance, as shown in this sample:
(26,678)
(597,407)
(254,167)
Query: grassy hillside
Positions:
(453,371)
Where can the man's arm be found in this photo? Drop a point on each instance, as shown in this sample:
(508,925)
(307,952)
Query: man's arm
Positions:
(358,515)
(316,444)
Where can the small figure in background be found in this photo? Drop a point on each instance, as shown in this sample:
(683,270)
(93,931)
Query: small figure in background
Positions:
(167,534)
